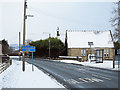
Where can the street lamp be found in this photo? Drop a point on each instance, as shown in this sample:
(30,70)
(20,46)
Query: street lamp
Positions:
(48,41)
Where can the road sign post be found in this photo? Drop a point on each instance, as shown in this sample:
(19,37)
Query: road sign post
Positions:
(90,44)
(32,62)
(23,61)
(118,58)
(27,48)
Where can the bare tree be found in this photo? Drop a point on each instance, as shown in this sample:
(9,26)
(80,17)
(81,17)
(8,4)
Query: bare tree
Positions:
(116,22)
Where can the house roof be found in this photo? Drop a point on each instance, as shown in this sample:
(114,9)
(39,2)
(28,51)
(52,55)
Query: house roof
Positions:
(80,39)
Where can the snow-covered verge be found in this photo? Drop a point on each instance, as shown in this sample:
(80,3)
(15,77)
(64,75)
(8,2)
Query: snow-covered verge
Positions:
(106,64)
(14,77)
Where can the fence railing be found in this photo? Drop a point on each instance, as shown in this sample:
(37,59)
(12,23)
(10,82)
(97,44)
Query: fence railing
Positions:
(5,65)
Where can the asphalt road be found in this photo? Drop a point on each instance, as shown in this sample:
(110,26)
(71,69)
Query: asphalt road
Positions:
(78,76)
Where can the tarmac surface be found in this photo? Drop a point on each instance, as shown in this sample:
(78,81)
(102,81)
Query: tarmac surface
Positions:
(78,76)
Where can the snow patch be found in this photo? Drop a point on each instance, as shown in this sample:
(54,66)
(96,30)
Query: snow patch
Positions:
(14,77)
(106,64)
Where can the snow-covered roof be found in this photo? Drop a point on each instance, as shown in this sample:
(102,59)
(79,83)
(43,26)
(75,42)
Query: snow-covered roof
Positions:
(80,39)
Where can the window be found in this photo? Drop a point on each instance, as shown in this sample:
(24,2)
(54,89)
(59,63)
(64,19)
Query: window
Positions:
(83,52)
(106,52)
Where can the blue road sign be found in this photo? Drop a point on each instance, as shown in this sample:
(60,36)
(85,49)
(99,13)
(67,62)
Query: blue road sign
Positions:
(27,48)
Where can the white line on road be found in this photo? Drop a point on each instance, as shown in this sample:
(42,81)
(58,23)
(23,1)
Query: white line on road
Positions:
(72,81)
(101,76)
(81,70)
(82,80)
(97,80)
(89,80)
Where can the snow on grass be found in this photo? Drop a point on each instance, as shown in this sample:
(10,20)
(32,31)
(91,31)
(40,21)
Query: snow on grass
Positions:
(106,64)
(12,57)
(14,77)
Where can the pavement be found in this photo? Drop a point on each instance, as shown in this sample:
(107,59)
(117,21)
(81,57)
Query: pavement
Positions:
(78,76)
(14,78)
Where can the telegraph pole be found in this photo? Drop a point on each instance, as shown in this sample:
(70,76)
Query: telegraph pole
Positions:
(19,46)
(49,44)
(118,33)
(24,27)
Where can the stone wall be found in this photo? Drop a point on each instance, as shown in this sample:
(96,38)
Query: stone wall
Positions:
(77,52)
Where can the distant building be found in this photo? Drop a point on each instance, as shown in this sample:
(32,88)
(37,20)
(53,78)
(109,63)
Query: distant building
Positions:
(77,44)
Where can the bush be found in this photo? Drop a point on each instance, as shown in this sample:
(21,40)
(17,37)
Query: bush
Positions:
(57,47)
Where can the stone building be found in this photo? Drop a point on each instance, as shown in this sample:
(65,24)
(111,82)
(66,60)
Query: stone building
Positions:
(77,44)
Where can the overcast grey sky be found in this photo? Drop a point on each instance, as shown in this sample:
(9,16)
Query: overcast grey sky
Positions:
(49,15)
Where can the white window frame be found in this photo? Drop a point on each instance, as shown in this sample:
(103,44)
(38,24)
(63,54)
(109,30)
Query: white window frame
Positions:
(106,52)
(83,52)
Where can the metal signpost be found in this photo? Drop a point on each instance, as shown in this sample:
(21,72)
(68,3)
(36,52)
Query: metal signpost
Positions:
(27,48)
(90,44)
(118,58)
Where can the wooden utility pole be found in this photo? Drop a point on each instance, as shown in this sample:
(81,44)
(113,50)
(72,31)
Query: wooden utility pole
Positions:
(19,46)
(49,44)
(25,17)
(24,32)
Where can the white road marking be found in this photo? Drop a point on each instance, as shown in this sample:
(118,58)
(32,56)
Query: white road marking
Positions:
(101,76)
(82,80)
(72,81)
(89,80)
(97,80)
(81,70)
